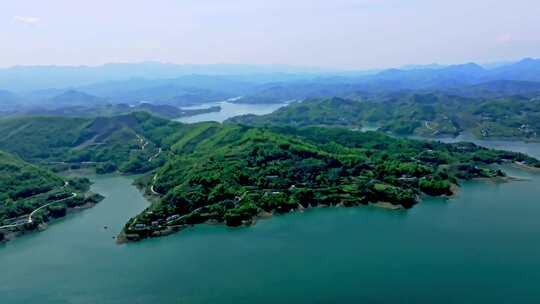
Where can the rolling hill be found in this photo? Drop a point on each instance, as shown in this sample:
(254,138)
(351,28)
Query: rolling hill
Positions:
(427,115)
(73,98)
(125,142)
(234,173)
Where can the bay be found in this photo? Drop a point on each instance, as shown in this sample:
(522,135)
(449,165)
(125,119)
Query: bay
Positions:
(482,246)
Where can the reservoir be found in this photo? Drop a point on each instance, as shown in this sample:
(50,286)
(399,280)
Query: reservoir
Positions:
(482,246)
(228,110)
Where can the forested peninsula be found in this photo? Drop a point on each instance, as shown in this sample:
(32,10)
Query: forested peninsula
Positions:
(234,174)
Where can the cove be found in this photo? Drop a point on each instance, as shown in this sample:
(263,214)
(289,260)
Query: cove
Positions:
(482,246)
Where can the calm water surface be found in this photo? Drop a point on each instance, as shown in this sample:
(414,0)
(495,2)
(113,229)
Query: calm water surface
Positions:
(481,247)
(229,110)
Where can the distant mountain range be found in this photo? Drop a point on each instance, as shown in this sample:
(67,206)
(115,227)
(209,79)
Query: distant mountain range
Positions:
(74,98)
(499,88)
(8,99)
(458,75)
(31,78)
(183,85)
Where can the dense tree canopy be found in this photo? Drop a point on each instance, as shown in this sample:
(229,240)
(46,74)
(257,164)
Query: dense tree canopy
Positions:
(415,114)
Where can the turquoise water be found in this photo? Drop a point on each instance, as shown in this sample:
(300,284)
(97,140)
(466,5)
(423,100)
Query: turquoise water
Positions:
(481,247)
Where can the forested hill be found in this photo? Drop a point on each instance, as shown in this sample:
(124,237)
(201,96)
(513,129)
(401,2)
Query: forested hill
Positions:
(129,143)
(428,115)
(233,174)
(19,179)
(27,189)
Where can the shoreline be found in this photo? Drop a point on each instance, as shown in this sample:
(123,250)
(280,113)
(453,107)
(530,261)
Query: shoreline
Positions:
(122,238)
(525,167)
(13,235)
(387,206)
(474,137)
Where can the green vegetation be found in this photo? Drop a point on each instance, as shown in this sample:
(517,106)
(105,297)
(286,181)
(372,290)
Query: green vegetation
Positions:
(25,188)
(106,110)
(415,114)
(20,180)
(127,143)
(232,173)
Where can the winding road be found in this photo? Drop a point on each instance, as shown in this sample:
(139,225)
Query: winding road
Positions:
(73,195)
(155,155)
(152,187)
(29,220)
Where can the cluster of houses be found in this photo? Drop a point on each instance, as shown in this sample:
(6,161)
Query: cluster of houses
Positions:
(156,223)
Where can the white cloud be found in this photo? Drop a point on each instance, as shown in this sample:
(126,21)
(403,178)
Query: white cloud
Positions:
(27,19)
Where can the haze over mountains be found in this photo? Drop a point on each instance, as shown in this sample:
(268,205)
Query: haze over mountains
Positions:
(184,85)
(27,78)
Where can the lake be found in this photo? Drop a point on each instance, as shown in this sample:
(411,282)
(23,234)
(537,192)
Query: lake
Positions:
(228,110)
(482,246)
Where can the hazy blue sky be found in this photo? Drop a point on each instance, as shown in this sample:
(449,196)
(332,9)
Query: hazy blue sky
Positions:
(327,33)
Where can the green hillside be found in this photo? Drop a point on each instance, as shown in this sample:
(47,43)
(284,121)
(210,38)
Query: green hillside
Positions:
(127,142)
(415,114)
(25,188)
(20,180)
(233,174)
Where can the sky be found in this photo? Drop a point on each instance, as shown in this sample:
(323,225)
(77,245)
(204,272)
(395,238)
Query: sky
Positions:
(344,34)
